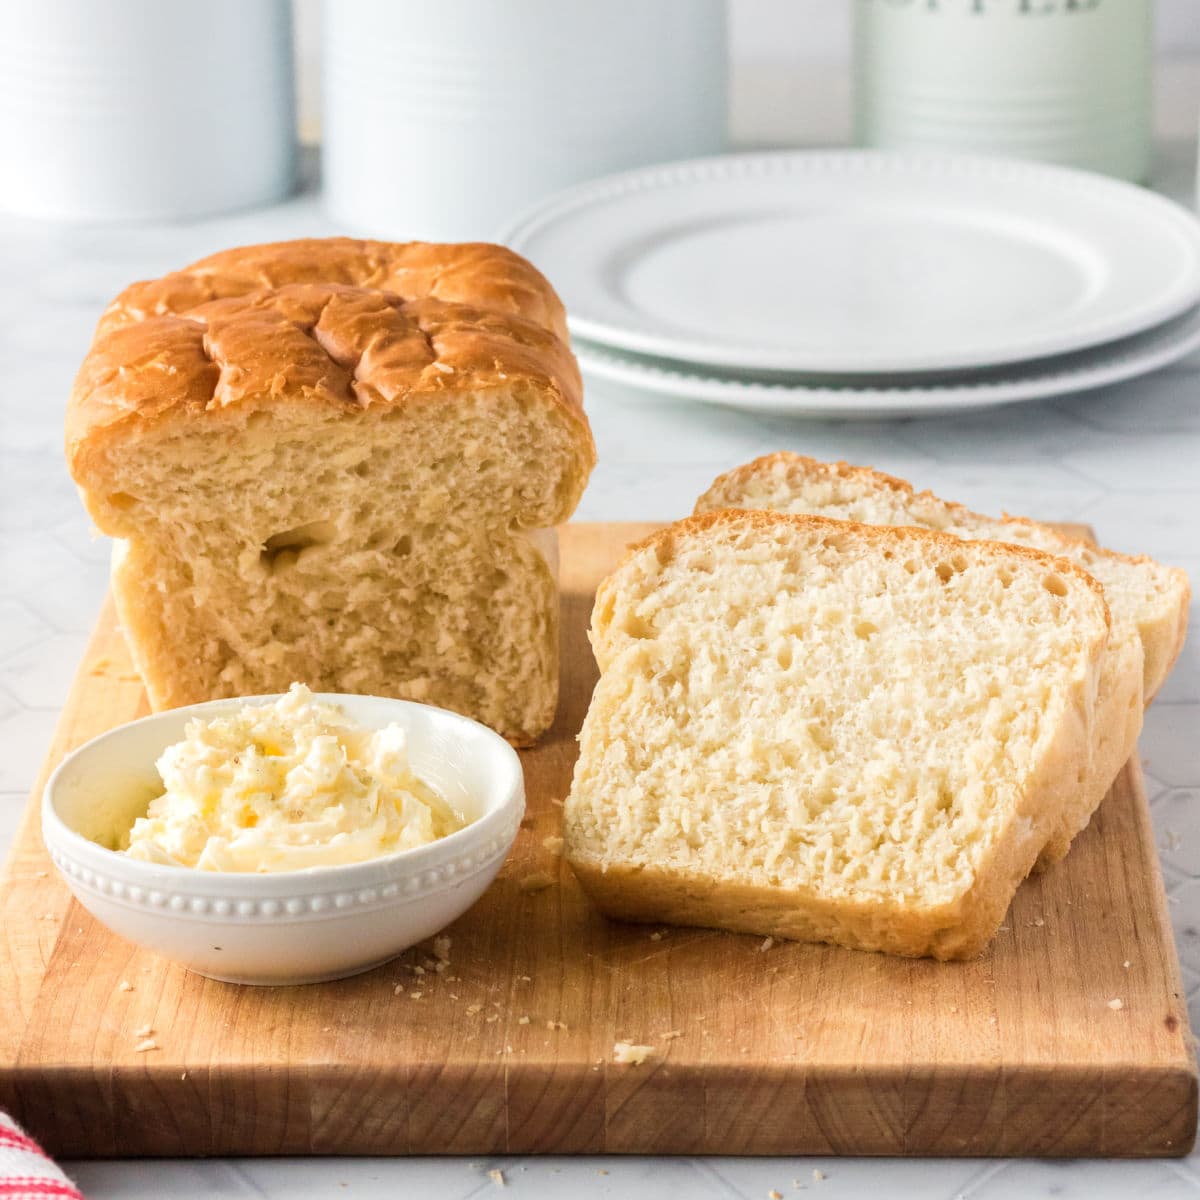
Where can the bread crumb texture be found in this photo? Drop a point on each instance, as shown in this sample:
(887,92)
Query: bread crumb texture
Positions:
(631,1054)
(814,729)
(339,462)
(1148,601)
(1144,595)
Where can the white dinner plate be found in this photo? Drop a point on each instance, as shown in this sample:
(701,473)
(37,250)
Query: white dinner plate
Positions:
(1058,376)
(862,260)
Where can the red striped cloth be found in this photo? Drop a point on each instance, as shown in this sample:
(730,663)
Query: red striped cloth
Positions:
(25,1171)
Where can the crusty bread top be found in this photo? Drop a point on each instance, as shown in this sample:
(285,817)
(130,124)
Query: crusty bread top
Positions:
(321,322)
(478,274)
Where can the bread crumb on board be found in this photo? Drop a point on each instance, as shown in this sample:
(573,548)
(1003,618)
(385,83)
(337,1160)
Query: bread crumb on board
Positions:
(144,1032)
(497,1177)
(1116,1004)
(536,881)
(670,1035)
(774,1194)
(767,944)
(629,1052)
(145,1044)
(441,948)
(818,1175)
(125,986)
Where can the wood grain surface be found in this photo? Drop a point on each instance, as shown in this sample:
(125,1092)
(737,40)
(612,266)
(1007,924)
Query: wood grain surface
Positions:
(786,1049)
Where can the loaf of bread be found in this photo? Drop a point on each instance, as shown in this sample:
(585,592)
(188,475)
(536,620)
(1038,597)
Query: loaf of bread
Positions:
(830,731)
(1149,602)
(338,462)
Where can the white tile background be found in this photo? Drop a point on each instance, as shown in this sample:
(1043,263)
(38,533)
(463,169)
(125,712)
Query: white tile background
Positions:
(1126,459)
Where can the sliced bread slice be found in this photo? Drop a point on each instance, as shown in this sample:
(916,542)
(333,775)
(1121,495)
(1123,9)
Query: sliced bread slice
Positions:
(832,732)
(1149,602)
(1150,598)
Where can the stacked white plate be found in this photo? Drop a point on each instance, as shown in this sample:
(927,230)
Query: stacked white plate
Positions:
(867,283)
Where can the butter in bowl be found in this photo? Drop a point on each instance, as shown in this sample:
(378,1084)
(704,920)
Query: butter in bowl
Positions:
(284,839)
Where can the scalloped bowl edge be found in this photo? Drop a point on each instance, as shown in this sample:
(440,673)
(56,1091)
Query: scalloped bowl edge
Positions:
(286,927)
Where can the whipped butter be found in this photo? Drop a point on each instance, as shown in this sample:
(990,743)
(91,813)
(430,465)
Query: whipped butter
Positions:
(284,786)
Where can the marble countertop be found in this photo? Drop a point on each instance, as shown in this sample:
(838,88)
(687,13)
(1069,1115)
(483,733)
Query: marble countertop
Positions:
(1125,459)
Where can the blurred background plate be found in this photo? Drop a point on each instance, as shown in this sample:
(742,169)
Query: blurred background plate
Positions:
(901,397)
(862,261)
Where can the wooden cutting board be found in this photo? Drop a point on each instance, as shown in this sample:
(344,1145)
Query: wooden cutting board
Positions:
(789,1049)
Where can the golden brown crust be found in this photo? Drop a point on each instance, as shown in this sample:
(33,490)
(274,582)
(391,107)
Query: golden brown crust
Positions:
(322,322)
(656,897)
(477,274)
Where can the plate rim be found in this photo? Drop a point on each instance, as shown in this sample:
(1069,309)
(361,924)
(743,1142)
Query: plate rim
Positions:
(1168,214)
(1156,348)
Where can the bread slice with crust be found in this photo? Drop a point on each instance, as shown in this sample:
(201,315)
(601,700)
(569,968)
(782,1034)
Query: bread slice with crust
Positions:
(830,731)
(1149,602)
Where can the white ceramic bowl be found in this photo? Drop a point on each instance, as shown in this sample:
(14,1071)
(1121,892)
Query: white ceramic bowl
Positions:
(291,926)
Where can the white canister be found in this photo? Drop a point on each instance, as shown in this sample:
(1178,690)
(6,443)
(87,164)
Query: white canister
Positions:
(444,121)
(144,109)
(1064,81)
